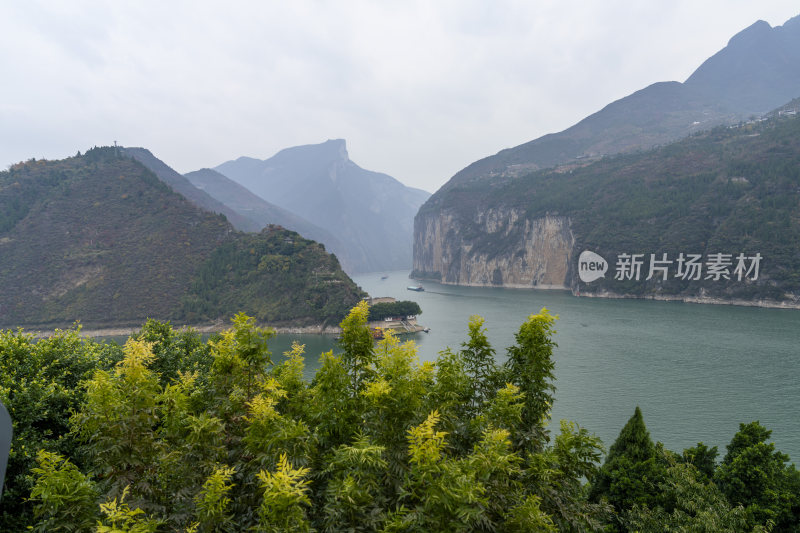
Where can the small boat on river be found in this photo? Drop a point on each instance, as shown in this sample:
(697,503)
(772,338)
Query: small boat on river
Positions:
(417,288)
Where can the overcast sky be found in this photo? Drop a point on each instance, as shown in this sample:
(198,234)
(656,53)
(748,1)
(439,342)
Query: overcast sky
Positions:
(419,89)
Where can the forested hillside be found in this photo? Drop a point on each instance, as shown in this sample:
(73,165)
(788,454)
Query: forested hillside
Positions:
(263,213)
(100,239)
(97,238)
(755,72)
(188,190)
(731,190)
(276,276)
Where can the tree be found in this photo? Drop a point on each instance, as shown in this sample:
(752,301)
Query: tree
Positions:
(478,357)
(632,469)
(703,458)
(530,367)
(357,342)
(64,499)
(403,308)
(232,442)
(40,387)
(755,475)
(696,504)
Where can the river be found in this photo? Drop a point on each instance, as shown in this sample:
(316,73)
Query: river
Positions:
(695,370)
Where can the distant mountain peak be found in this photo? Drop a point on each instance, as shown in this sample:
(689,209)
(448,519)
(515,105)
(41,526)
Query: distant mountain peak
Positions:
(372,214)
(756,31)
(340,145)
(792,23)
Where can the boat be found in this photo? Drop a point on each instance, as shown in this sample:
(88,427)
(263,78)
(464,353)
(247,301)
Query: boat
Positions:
(384,277)
(417,288)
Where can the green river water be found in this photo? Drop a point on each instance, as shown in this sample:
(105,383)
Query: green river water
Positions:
(696,371)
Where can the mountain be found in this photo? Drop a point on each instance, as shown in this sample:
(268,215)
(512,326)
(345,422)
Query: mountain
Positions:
(371,213)
(184,187)
(456,235)
(263,213)
(714,217)
(101,239)
(757,71)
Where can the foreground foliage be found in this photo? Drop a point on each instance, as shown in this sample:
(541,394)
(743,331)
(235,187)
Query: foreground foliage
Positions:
(172,434)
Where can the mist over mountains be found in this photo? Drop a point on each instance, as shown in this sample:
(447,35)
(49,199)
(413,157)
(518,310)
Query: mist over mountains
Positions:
(365,218)
(757,71)
(369,212)
(619,181)
(262,213)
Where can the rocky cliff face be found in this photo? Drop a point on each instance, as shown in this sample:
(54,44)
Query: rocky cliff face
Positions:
(513,251)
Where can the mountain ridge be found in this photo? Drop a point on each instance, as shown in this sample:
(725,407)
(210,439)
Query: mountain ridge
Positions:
(263,213)
(370,212)
(182,186)
(729,191)
(666,111)
(511,219)
(101,239)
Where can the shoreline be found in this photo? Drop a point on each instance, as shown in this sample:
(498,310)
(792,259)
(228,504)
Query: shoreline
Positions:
(699,299)
(703,300)
(126,331)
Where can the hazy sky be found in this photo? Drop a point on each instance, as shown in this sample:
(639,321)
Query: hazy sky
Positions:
(419,89)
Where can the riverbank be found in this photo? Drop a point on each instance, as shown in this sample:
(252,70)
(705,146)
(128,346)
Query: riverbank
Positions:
(709,300)
(215,327)
(698,299)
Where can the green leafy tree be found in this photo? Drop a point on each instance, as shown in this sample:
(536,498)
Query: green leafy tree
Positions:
(214,502)
(403,308)
(530,367)
(395,399)
(356,340)
(696,505)
(64,499)
(285,499)
(40,387)
(451,394)
(479,364)
(755,475)
(120,518)
(175,351)
(703,458)
(233,442)
(118,424)
(632,470)
(355,495)
(441,493)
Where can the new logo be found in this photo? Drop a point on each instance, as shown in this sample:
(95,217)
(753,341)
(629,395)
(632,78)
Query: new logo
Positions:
(591,266)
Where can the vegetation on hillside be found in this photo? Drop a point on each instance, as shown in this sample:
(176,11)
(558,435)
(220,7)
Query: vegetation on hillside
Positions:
(100,239)
(729,190)
(173,434)
(276,276)
(97,238)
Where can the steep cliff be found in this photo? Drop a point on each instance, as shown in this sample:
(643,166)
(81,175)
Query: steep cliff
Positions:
(515,252)
(715,217)
(727,196)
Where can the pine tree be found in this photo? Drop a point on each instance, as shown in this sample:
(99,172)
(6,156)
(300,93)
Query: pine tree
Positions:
(632,470)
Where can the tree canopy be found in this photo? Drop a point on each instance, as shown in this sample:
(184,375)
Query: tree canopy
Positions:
(170,433)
